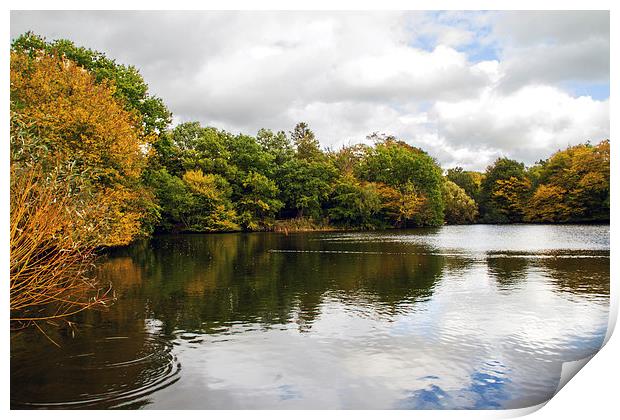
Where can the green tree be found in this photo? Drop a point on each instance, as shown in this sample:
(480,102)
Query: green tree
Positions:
(259,203)
(307,147)
(130,87)
(176,202)
(460,208)
(203,148)
(469,181)
(348,158)
(166,154)
(276,145)
(246,156)
(355,204)
(305,186)
(503,191)
(399,165)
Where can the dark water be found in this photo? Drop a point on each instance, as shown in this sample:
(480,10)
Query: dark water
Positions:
(455,317)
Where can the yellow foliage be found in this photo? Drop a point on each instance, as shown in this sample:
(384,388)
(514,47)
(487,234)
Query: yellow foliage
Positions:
(204,185)
(459,207)
(81,123)
(577,179)
(548,204)
(411,204)
(119,225)
(511,196)
(52,248)
(400,207)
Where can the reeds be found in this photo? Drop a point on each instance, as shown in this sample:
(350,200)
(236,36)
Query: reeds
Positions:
(52,254)
(302,224)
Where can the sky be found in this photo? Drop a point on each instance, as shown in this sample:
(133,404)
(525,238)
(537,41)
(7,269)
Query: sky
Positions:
(467,87)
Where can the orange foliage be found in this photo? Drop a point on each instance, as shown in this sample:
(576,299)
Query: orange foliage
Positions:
(400,207)
(80,122)
(51,248)
(548,204)
(576,182)
(511,196)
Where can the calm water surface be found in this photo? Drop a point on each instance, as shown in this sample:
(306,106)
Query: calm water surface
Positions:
(454,317)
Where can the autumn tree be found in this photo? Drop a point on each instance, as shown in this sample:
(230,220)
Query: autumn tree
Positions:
(394,209)
(460,208)
(469,181)
(401,166)
(52,243)
(510,197)
(82,122)
(210,207)
(130,88)
(549,205)
(504,192)
(573,186)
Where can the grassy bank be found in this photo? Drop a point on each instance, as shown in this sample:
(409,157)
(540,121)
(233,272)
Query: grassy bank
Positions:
(303,224)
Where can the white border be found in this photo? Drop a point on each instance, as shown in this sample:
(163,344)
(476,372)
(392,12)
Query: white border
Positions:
(592,394)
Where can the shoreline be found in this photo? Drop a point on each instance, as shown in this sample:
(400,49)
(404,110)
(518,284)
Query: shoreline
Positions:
(387,228)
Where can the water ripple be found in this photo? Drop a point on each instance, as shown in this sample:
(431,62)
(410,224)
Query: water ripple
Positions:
(152,369)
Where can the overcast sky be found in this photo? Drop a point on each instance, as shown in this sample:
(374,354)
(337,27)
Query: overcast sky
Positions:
(466,87)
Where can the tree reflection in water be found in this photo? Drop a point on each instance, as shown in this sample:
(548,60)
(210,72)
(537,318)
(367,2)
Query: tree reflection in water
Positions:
(256,320)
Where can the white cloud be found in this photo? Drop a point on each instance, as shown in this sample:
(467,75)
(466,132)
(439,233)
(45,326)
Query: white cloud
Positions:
(544,26)
(530,122)
(550,47)
(411,74)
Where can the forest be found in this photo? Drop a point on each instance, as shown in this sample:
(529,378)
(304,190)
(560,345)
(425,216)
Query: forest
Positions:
(96,163)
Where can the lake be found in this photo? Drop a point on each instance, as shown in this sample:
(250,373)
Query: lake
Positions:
(471,317)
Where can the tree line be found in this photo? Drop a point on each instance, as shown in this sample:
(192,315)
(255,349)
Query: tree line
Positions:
(205,179)
(86,109)
(93,154)
(83,108)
